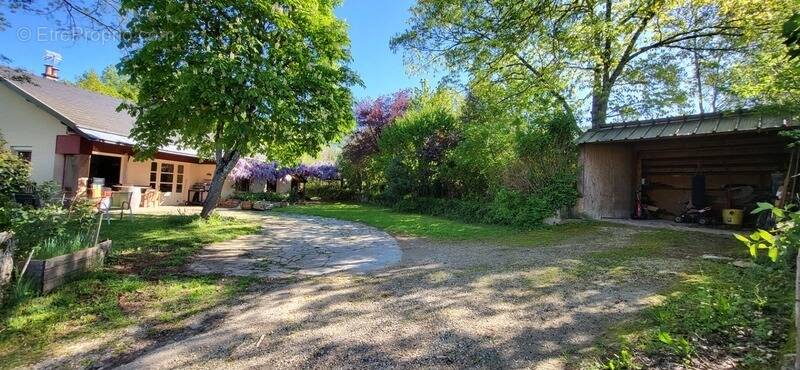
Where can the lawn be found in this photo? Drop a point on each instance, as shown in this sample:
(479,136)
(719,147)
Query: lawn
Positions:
(409,224)
(141,285)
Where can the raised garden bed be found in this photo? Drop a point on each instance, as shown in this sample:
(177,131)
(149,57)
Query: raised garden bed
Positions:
(51,273)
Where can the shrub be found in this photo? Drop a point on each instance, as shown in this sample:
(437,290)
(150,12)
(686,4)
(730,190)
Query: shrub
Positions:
(331,191)
(260,196)
(14,172)
(33,226)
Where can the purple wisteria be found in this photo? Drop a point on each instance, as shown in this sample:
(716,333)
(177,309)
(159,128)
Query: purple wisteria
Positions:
(257,170)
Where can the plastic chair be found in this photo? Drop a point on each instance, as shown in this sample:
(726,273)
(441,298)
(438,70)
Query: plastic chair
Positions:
(119,201)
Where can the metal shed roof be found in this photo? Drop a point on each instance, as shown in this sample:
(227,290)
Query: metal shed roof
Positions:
(688,126)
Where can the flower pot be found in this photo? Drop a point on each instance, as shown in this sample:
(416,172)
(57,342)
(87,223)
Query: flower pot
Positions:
(246,204)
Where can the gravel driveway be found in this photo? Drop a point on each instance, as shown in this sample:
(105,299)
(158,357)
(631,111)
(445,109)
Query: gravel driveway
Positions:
(444,305)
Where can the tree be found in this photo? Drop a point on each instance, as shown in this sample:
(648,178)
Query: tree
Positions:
(110,83)
(561,49)
(237,78)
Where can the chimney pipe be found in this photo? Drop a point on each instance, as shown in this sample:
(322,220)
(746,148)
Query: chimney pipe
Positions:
(50,72)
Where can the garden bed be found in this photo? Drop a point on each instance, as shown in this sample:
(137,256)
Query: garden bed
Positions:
(48,274)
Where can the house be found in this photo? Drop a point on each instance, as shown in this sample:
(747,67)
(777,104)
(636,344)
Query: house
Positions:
(729,159)
(72,136)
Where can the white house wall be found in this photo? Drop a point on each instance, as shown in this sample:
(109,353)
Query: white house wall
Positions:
(24,125)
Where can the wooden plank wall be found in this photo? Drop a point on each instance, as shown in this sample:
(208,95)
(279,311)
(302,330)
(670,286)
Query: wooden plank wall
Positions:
(734,159)
(606,181)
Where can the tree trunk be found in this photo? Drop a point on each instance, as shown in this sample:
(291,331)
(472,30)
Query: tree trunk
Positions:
(698,79)
(599,108)
(797,312)
(224,166)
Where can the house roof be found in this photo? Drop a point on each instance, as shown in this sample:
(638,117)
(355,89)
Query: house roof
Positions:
(92,115)
(688,126)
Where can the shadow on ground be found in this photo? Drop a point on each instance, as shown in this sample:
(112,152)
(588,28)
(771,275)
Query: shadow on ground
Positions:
(445,305)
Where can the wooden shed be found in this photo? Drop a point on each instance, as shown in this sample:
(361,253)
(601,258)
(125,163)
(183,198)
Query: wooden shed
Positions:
(739,156)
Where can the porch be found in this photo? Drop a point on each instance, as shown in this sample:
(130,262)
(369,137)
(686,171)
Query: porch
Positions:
(95,168)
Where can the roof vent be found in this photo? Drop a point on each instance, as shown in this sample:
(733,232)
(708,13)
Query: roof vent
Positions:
(50,71)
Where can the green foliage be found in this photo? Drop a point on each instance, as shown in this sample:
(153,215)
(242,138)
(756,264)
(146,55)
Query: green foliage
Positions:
(746,312)
(34,226)
(14,171)
(783,240)
(60,245)
(631,55)
(257,196)
(415,149)
(331,191)
(238,76)
(110,83)
(476,159)
(791,34)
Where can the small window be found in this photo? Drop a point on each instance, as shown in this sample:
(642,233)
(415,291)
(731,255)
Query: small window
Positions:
(23,152)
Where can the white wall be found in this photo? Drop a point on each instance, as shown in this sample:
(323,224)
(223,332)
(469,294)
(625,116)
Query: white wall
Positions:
(25,125)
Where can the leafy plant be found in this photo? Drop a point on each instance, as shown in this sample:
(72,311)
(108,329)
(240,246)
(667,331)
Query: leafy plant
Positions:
(14,172)
(60,245)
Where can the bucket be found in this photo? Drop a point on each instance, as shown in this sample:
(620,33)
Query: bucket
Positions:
(732,216)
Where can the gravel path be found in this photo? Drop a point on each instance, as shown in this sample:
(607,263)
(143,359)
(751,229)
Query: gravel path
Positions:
(444,305)
(293,246)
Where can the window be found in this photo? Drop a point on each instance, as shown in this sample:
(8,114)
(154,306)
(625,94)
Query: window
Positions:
(179,181)
(22,152)
(153,174)
(167,177)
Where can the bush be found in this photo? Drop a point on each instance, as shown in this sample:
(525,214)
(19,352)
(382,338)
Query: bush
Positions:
(505,207)
(14,172)
(260,196)
(329,191)
(33,226)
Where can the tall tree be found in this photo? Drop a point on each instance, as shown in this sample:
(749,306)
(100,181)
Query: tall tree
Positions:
(236,78)
(109,83)
(564,48)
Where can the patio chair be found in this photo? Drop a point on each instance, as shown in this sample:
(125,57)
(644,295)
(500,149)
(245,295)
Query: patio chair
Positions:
(118,201)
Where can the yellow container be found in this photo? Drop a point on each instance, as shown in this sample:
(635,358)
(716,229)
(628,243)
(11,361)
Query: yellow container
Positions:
(732,216)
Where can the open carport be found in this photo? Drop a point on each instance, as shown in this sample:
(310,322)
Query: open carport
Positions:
(731,160)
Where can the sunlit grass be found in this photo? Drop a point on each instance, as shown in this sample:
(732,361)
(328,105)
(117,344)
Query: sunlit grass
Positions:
(141,285)
(444,229)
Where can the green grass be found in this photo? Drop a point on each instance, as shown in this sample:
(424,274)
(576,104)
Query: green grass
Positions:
(444,229)
(671,244)
(157,245)
(60,245)
(744,312)
(141,284)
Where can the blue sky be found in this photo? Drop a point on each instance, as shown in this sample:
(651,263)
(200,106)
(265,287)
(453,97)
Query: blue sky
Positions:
(372,24)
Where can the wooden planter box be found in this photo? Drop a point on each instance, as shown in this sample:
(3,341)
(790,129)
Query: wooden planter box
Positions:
(51,273)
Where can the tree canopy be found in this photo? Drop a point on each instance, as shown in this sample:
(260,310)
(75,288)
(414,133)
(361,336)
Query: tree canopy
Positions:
(612,58)
(238,78)
(109,83)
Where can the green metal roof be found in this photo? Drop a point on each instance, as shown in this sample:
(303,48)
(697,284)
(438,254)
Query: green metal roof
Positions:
(687,126)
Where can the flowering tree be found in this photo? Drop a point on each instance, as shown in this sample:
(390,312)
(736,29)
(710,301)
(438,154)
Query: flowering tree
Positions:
(372,116)
(256,170)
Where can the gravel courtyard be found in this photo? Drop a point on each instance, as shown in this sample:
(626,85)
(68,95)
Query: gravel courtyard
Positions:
(443,304)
